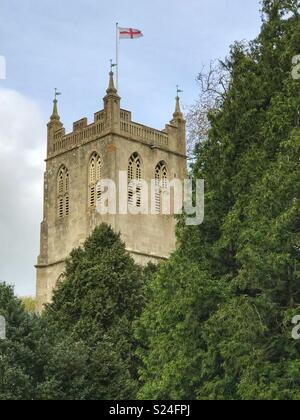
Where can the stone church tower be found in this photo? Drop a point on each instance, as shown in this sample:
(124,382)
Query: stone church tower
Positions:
(77,161)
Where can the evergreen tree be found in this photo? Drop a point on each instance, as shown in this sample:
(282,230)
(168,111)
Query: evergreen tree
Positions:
(242,265)
(19,364)
(171,344)
(92,312)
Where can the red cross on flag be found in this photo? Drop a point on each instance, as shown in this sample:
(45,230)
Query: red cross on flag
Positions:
(130,33)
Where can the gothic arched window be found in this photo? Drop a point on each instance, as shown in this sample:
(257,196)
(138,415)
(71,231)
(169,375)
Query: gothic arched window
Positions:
(63,201)
(94,178)
(134,174)
(161,184)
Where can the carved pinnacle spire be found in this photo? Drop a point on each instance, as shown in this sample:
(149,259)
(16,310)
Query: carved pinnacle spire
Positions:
(55,116)
(178,114)
(111,87)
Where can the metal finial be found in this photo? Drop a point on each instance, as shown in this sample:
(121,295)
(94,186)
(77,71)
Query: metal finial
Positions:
(112,65)
(56,94)
(178,90)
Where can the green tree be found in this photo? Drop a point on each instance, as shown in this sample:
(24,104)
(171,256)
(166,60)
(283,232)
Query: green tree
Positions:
(29,303)
(242,265)
(19,364)
(171,345)
(92,313)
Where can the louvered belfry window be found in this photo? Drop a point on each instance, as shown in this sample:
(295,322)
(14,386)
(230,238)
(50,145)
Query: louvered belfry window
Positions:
(161,180)
(134,174)
(63,199)
(94,178)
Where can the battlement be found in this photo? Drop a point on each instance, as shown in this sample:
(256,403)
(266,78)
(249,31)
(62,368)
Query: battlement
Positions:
(84,133)
(80,125)
(144,133)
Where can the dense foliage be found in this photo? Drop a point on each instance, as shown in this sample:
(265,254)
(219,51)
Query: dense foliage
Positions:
(214,322)
(92,311)
(83,346)
(19,361)
(218,325)
(29,304)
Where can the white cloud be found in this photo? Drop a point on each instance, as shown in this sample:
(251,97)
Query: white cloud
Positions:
(22,150)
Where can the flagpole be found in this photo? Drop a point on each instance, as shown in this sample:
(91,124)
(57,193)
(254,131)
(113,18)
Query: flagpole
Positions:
(117,55)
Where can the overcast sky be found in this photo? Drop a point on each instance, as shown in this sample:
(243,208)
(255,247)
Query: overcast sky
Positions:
(68,44)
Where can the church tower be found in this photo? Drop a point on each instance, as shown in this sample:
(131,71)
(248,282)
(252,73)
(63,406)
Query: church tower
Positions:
(77,161)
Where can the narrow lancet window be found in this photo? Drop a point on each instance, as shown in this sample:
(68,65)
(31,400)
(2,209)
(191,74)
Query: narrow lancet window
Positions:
(134,174)
(94,178)
(63,200)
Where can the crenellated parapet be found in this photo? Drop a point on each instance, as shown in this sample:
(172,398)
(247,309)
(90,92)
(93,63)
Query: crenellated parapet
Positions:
(82,133)
(145,134)
(113,120)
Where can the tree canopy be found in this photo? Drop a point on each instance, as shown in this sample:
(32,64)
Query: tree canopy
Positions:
(82,347)
(220,311)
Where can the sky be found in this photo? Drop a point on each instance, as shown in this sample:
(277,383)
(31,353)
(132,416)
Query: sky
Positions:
(68,44)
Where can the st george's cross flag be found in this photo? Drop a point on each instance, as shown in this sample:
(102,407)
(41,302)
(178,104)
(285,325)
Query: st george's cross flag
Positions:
(130,33)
